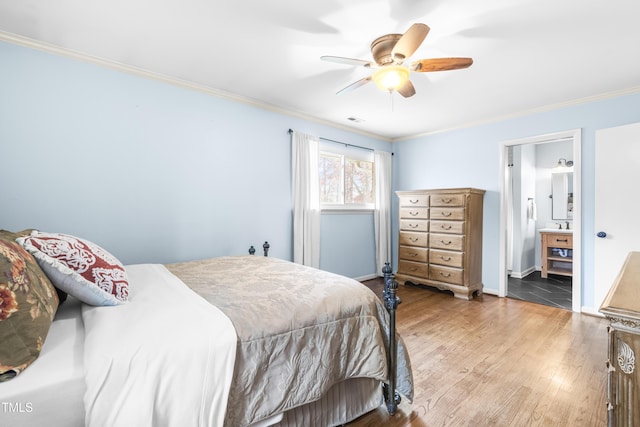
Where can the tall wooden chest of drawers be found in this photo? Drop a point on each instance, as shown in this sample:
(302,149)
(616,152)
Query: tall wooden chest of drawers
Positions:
(440,241)
(621,306)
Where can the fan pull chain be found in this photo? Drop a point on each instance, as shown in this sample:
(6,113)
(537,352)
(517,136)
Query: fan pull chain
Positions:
(391,97)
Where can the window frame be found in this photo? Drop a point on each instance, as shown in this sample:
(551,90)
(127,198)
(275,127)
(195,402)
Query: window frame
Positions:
(352,153)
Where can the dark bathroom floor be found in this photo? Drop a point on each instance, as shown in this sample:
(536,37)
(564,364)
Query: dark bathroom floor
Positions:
(554,291)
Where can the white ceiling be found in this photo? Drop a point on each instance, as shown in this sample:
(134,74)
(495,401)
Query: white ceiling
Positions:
(528,54)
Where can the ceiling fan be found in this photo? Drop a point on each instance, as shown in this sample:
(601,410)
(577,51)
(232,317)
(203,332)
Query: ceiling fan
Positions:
(389,53)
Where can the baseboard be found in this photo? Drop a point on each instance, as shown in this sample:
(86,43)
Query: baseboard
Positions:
(520,275)
(591,311)
(490,291)
(367,277)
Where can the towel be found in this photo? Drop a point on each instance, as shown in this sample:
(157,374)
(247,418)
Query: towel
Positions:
(532,211)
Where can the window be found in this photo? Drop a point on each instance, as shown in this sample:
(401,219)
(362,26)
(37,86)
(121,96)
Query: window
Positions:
(346,178)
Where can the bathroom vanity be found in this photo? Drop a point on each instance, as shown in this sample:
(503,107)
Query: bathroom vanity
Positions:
(557,252)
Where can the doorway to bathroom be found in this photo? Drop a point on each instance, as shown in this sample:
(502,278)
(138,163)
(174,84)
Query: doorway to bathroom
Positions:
(540,220)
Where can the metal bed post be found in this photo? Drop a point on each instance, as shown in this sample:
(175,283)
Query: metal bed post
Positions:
(391,302)
(265,248)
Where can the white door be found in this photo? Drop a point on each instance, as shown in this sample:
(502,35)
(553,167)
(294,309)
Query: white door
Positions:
(617,203)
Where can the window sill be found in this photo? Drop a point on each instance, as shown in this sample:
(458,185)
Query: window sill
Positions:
(346,211)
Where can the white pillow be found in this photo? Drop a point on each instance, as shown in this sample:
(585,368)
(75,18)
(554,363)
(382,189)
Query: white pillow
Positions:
(79,267)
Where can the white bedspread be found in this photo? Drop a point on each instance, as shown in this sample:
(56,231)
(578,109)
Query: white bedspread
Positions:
(165,358)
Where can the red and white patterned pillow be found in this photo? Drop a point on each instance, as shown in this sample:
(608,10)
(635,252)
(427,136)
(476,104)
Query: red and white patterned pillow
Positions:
(79,267)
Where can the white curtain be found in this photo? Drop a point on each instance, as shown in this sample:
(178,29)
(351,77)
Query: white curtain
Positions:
(382,213)
(306,199)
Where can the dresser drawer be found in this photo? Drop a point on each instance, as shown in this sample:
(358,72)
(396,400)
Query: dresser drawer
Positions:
(414,239)
(447,213)
(421,200)
(413,269)
(414,225)
(454,227)
(446,274)
(447,200)
(412,253)
(414,213)
(452,242)
(447,258)
(559,240)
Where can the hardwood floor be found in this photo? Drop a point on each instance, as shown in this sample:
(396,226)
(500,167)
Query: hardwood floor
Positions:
(497,362)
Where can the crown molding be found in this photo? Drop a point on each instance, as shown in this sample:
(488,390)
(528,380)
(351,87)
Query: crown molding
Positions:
(528,112)
(129,69)
(79,56)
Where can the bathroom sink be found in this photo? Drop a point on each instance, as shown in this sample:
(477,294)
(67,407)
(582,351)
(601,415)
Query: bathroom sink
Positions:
(555,230)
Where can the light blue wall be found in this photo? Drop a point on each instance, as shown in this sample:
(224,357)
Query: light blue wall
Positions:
(352,246)
(470,157)
(151,171)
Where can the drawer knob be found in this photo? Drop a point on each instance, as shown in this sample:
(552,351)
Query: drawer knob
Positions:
(448,242)
(445,274)
(412,213)
(562,240)
(413,239)
(601,234)
(413,254)
(445,227)
(413,269)
(413,225)
(445,258)
(445,200)
(413,201)
(446,213)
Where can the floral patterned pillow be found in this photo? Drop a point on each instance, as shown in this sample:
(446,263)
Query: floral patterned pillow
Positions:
(79,267)
(28,302)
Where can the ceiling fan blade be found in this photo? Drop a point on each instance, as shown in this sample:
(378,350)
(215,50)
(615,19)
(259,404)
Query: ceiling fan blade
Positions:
(409,42)
(440,64)
(348,61)
(354,85)
(407,90)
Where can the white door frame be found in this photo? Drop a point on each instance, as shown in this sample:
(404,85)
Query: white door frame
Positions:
(576,135)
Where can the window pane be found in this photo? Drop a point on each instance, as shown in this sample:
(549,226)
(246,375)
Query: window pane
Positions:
(358,182)
(330,178)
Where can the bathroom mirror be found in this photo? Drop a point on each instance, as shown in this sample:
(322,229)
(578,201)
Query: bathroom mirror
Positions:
(562,195)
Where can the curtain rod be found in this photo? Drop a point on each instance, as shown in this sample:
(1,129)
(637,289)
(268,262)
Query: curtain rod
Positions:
(343,143)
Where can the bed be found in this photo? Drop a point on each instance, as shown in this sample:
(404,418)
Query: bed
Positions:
(235,341)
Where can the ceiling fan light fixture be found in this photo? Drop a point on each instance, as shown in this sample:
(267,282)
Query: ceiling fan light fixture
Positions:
(389,53)
(390,77)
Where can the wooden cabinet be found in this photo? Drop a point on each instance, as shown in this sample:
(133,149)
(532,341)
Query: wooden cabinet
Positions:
(440,241)
(622,307)
(557,253)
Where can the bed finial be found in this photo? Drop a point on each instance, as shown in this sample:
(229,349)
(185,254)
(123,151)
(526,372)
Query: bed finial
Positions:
(252,250)
(266,248)
(386,271)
